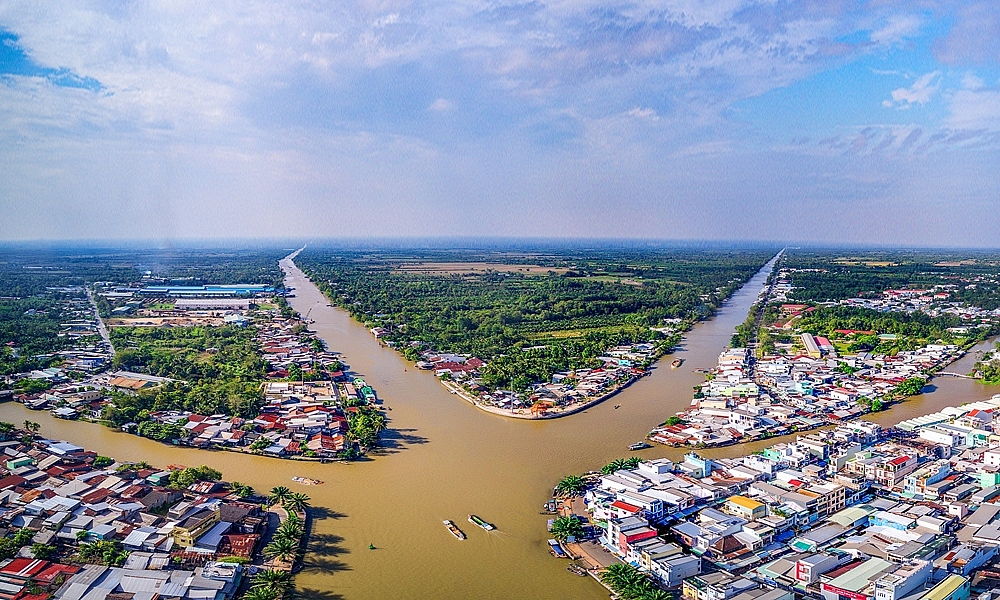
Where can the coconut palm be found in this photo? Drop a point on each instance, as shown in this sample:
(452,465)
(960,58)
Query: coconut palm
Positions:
(279,494)
(261,593)
(571,485)
(289,529)
(272,580)
(564,527)
(296,502)
(282,548)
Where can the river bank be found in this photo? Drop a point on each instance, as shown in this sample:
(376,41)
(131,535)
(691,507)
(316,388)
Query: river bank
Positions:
(449,459)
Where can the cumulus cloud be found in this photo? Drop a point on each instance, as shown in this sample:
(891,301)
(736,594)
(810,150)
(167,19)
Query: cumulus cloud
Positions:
(921,92)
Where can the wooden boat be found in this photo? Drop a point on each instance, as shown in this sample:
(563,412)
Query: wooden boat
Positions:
(176,467)
(577,570)
(639,446)
(676,363)
(307,481)
(455,531)
(481,523)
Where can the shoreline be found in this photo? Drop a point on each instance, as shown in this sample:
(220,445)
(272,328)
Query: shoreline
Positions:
(457,390)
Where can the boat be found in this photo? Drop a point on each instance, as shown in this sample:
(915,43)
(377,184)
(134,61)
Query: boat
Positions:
(676,363)
(557,550)
(639,446)
(577,570)
(617,406)
(481,523)
(307,481)
(455,531)
(176,467)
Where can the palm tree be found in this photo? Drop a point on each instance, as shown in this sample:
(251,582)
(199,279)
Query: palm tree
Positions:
(261,593)
(571,485)
(273,580)
(282,548)
(296,502)
(31,426)
(289,529)
(6,429)
(279,494)
(564,527)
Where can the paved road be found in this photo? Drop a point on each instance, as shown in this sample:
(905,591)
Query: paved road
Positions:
(100,322)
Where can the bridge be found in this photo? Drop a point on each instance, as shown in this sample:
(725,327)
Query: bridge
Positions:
(954,374)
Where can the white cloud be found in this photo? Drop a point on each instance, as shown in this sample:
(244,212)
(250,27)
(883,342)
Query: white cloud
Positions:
(921,92)
(975,109)
(898,28)
(441,105)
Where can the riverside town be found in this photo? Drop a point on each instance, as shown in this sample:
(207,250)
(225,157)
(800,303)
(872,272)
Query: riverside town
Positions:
(802,442)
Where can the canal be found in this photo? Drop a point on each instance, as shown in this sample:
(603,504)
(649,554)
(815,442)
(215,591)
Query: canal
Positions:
(446,459)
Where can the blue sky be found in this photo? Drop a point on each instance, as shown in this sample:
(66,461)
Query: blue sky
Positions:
(825,121)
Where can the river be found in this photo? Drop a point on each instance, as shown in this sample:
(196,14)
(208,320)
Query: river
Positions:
(446,459)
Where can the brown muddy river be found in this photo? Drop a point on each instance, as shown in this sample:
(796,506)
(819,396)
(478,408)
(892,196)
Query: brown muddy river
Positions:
(446,459)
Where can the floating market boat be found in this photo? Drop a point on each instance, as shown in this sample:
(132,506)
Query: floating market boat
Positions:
(481,523)
(307,481)
(455,531)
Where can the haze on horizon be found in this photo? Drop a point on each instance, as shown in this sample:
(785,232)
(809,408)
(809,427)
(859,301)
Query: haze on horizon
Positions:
(826,121)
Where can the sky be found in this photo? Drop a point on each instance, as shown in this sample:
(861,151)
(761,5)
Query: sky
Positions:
(825,121)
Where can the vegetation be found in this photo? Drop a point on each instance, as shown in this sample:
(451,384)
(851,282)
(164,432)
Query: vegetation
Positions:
(568,314)
(365,425)
(825,275)
(565,527)
(571,485)
(630,584)
(219,370)
(31,326)
(105,552)
(10,545)
(619,464)
(183,478)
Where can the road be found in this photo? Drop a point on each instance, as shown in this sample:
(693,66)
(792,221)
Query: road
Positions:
(100,322)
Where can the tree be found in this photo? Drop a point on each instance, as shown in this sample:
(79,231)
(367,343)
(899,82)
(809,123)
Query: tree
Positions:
(279,494)
(296,502)
(6,430)
(241,490)
(564,527)
(43,551)
(674,420)
(289,529)
(31,426)
(571,485)
(619,464)
(876,405)
(108,553)
(103,461)
(272,580)
(261,593)
(282,548)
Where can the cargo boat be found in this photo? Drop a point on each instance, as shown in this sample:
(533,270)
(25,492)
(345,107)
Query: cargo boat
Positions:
(639,446)
(481,523)
(307,481)
(455,531)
